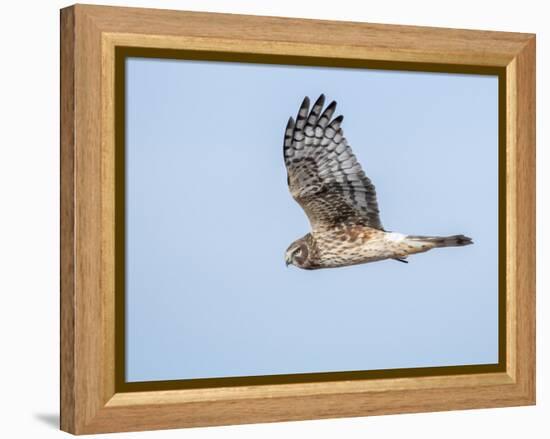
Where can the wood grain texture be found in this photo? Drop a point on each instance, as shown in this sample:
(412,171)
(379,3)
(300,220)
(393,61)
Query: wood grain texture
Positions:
(309,389)
(376,41)
(297,407)
(108,219)
(67,232)
(82,310)
(525,170)
(90,326)
(511,217)
(90,35)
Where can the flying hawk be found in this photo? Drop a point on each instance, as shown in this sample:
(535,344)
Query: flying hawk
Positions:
(326,179)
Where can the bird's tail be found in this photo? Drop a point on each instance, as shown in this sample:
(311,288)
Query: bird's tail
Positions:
(440,241)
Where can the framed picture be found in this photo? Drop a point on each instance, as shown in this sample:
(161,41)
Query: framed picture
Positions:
(233,250)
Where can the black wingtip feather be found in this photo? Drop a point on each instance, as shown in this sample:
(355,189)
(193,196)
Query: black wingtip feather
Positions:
(320,100)
(337,120)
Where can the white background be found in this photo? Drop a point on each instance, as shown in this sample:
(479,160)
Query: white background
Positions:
(29,218)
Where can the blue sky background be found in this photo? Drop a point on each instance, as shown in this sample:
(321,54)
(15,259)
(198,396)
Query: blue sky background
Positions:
(209,218)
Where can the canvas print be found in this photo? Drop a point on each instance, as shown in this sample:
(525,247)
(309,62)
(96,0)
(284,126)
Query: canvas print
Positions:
(258,244)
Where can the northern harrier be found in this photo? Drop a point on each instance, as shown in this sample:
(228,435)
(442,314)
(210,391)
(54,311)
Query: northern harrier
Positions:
(339,200)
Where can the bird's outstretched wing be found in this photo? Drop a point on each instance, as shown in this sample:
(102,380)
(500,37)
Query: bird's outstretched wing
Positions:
(324,176)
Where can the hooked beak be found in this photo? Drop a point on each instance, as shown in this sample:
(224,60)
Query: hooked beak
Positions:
(287,261)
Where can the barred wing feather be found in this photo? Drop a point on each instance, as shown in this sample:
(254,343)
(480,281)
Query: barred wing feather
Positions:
(324,176)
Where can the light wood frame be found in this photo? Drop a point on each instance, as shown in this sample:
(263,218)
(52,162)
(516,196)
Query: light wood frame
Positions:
(90,36)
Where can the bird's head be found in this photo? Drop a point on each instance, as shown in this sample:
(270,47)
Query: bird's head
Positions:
(298,253)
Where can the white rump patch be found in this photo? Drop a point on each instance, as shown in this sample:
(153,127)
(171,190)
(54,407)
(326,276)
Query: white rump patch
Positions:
(395,237)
